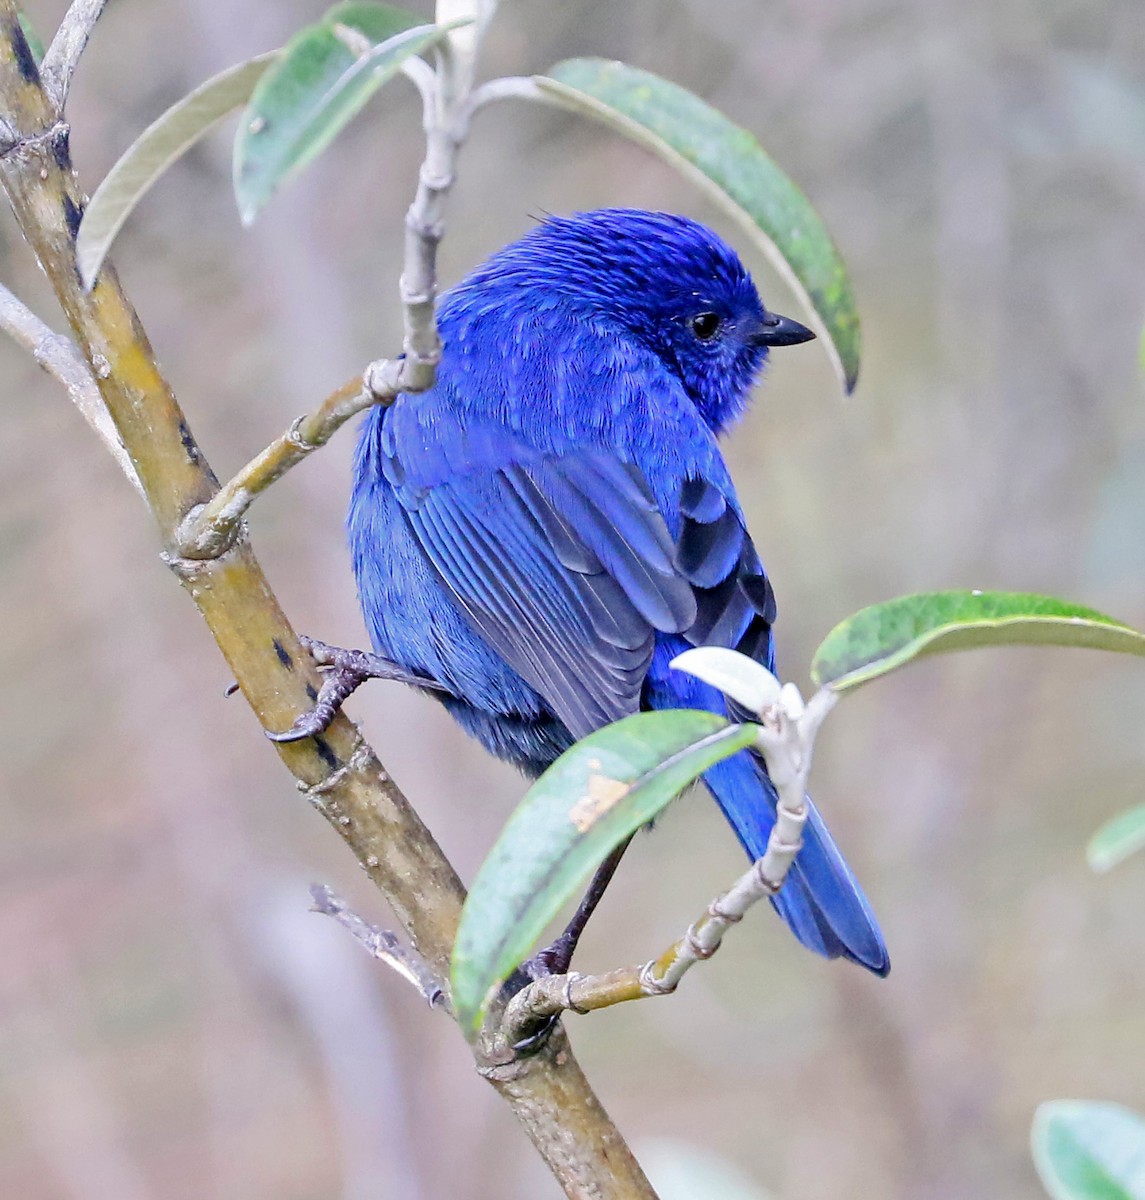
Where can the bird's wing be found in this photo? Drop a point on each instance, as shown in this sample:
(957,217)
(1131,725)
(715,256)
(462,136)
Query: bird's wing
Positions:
(567,567)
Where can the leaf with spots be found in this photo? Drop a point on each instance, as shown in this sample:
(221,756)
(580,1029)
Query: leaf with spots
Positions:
(885,636)
(592,798)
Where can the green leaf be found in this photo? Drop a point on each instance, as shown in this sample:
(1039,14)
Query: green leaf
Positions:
(157,147)
(35,44)
(326,75)
(583,806)
(885,636)
(730,166)
(1085,1150)
(1117,839)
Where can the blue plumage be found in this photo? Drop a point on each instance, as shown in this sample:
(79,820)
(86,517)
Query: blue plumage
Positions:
(553,522)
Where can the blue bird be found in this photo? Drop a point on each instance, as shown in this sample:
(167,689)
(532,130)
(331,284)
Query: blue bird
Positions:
(542,532)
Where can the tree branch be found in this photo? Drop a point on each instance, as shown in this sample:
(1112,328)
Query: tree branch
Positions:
(60,358)
(63,55)
(337,772)
(786,741)
(383,945)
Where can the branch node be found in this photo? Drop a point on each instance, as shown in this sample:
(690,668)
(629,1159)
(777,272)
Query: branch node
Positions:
(297,439)
(316,793)
(382,378)
(650,985)
(572,978)
(719,913)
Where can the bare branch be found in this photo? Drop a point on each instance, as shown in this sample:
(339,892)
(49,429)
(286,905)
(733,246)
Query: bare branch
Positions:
(786,740)
(63,55)
(211,529)
(383,945)
(60,358)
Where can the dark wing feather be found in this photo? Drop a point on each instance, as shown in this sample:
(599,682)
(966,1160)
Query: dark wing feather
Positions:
(735,604)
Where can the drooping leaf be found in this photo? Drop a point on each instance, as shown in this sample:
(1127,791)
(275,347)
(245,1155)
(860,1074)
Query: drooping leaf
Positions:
(749,683)
(596,794)
(1086,1150)
(326,75)
(730,167)
(884,636)
(1117,839)
(163,142)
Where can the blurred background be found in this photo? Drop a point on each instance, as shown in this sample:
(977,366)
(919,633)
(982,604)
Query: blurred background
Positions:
(175,1024)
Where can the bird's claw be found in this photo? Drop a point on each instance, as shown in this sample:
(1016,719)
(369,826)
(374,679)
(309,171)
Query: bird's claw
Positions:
(343,671)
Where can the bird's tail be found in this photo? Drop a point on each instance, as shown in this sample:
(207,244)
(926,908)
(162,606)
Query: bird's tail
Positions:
(821,899)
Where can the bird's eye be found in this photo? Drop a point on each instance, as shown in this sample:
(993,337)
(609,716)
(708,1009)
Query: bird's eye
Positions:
(706,325)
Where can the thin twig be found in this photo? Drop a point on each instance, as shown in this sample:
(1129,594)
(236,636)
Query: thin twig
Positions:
(786,739)
(63,55)
(382,944)
(210,530)
(60,358)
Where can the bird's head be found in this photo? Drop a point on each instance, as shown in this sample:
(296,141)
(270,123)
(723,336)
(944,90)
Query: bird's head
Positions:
(676,286)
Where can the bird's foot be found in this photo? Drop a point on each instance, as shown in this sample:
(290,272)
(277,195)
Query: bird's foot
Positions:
(554,959)
(343,672)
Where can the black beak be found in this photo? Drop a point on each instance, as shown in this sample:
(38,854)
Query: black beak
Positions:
(781,331)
